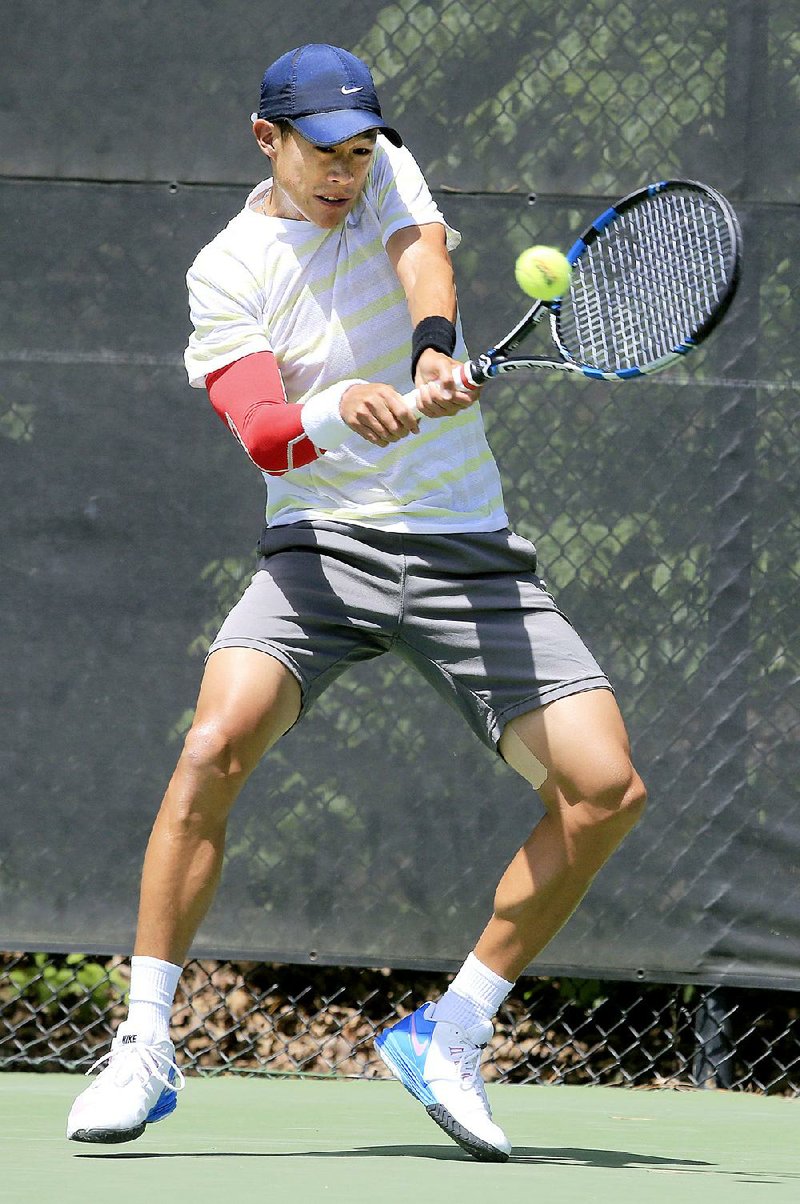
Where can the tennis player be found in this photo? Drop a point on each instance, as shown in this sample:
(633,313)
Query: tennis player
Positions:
(314,310)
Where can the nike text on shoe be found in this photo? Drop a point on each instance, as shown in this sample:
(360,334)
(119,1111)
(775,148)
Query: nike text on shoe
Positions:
(137,1087)
(439,1064)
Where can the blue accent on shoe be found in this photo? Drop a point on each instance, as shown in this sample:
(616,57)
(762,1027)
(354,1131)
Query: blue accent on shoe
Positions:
(166,1103)
(404,1048)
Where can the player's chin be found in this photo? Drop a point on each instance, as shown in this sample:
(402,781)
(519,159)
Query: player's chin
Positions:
(331,213)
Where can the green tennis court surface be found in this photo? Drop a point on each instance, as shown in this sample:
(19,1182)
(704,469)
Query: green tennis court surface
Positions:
(308,1140)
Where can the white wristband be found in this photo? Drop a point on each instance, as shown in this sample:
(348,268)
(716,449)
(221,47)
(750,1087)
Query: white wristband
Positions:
(321,417)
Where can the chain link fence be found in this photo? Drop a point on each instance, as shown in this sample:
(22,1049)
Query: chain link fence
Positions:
(252,1018)
(666,523)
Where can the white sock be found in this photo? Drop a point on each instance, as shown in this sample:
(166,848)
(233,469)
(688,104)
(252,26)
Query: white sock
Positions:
(474,995)
(153,987)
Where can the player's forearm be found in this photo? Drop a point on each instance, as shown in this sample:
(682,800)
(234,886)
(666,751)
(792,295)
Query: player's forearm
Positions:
(433,291)
(420,259)
(248,396)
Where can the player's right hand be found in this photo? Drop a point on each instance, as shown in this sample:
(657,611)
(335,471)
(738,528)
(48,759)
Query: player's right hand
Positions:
(377,413)
(438,396)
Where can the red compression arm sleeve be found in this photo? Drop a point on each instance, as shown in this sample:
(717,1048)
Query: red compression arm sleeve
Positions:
(249,397)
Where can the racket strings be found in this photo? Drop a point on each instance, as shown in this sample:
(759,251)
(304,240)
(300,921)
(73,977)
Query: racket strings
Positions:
(648,282)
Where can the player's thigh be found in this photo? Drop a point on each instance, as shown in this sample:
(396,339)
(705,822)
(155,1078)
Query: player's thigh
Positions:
(580,740)
(247,700)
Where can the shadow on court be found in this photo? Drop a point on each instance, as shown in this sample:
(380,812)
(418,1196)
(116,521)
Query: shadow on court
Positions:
(610,1159)
(564,1156)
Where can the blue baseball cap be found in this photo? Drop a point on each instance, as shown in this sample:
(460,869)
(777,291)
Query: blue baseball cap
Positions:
(326,93)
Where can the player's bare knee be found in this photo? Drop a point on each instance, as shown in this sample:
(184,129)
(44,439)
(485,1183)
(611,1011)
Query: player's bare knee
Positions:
(211,751)
(621,798)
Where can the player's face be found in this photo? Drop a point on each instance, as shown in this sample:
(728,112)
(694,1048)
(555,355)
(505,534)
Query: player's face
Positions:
(317,184)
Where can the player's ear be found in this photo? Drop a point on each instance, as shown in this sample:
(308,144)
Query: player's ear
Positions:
(266,135)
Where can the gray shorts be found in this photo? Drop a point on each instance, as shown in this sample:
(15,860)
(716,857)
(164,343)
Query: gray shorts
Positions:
(467,610)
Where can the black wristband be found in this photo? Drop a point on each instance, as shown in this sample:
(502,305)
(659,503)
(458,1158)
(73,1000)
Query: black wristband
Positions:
(436,332)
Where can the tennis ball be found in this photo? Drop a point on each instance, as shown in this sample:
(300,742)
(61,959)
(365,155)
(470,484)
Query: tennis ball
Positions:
(543,272)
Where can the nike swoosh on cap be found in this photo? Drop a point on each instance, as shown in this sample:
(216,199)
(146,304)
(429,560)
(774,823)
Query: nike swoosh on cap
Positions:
(349,91)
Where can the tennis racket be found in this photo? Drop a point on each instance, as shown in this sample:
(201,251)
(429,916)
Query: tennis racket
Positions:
(652,276)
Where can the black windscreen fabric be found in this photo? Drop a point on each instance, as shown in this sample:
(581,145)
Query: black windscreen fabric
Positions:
(664,511)
(561,96)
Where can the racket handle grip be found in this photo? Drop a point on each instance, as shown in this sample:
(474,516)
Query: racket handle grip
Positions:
(462,376)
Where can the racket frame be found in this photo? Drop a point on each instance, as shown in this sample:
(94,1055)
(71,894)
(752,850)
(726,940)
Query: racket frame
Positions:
(496,361)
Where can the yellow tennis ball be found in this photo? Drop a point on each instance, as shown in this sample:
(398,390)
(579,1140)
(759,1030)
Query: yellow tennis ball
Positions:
(543,272)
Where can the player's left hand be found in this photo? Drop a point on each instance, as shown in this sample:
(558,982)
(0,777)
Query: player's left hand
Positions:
(439,397)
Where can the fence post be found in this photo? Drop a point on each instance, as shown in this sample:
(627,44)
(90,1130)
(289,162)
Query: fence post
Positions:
(713,1060)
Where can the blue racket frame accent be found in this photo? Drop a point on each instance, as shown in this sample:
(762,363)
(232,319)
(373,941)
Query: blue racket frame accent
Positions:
(605,219)
(576,250)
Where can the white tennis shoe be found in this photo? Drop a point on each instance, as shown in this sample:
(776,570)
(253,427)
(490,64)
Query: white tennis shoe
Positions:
(139,1085)
(439,1064)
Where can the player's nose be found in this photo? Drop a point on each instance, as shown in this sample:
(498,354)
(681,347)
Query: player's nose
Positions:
(339,169)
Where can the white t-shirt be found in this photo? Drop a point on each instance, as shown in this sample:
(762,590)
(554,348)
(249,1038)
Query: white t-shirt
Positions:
(329,306)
